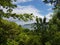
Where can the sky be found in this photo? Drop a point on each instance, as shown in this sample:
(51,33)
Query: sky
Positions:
(37,7)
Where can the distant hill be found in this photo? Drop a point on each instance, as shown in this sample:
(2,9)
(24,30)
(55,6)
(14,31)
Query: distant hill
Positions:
(28,26)
(32,25)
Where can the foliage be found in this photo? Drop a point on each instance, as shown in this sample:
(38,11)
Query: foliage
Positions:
(9,6)
(56,3)
(13,34)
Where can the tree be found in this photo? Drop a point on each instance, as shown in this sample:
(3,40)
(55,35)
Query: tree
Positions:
(42,26)
(8,30)
(55,2)
(7,4)
(54,23)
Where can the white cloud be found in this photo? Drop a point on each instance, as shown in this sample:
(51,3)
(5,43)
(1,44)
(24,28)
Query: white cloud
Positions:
(27,9)
(49,4)
(21,1)
(5,10)
(49,16)
(24,9)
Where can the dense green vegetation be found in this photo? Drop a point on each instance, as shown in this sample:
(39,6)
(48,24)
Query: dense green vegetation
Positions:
(45,33)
